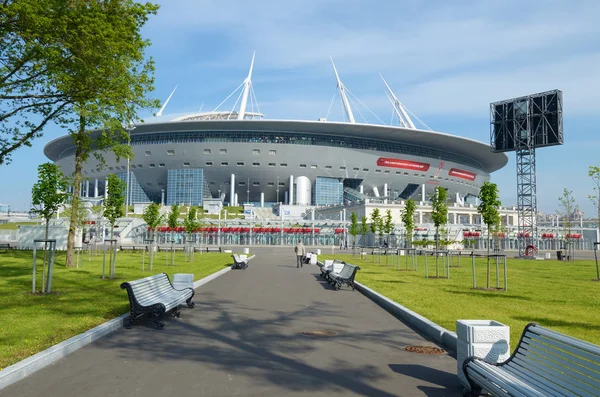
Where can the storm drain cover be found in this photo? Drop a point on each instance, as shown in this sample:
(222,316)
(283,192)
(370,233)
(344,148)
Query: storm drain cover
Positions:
(424,349)
(318,333)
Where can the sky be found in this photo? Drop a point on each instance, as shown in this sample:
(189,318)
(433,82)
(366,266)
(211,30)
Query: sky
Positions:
(445,61)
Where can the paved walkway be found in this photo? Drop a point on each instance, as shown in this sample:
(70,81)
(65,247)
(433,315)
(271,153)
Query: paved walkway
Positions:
(244,338)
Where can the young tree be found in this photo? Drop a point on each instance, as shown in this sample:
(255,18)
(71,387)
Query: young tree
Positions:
(47,195)
(594,173)
(153,217)
(113,209)
(364,227)
(408,219)
(353,228)
(173,217)
(568,208)
(388,224)
(488,209)
(375,221)
(439,215)
(190,222)
(106,77)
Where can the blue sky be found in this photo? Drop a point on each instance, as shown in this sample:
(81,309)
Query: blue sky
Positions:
(446,61)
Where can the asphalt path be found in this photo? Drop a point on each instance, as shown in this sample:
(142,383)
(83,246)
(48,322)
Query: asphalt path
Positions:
(245,337)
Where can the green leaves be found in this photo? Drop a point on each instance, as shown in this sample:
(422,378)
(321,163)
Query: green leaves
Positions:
(439,206)
(408,217)
(353,225)
(152,216)
(190,223)
(113,205)
(489,203)
(173,218)
(49,192)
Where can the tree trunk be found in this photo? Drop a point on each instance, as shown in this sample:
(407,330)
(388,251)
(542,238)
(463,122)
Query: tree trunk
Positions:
(112,251)
(437,240)
(488,257)
(79,152)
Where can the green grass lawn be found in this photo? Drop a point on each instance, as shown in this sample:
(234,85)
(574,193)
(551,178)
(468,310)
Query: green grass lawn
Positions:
(559,295)
(15,225)
(80,299)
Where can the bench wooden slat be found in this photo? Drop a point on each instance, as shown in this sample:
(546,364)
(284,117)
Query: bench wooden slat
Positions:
(545,363)
(155,295)
(565,363)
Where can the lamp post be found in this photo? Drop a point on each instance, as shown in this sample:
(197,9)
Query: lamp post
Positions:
(129,128)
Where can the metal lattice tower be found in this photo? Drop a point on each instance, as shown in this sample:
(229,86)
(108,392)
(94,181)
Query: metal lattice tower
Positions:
(526,199)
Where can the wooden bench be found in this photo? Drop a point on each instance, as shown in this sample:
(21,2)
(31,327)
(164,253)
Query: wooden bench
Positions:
(241,261)
(331,265)
(132,247)
(155,295)
(7,246)
(345,276)
(545,363)
(213,249)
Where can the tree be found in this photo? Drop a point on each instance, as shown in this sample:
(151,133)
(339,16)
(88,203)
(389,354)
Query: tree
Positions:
(113,209)
(567,211)
(488,209)
(190,223)
(408,219)
(153,217)
(364,227)
(105,76)
(353,228)
(388,224)
(47,195)
(31,35)
(439,215)
(375,221)
(594,173)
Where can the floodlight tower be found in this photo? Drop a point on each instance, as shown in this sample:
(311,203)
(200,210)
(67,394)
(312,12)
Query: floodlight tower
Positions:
(522,125)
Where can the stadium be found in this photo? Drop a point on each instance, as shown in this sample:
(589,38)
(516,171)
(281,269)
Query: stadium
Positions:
(240,157)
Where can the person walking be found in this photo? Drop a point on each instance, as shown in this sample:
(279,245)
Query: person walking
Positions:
(300,251)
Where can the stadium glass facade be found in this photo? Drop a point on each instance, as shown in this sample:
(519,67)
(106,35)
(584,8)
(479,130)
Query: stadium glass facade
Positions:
(136,193)
(185,186)
(327,191)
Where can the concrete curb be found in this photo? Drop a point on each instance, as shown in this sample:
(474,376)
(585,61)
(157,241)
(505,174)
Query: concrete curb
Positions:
(26,367)
(440,335)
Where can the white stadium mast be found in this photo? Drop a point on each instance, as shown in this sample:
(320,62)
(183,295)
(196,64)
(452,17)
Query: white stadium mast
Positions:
(247,86)
(342,89)
(403,116)
(160,112)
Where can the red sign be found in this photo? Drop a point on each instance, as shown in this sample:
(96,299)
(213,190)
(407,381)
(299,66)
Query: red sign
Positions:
(462,174)
(398,163)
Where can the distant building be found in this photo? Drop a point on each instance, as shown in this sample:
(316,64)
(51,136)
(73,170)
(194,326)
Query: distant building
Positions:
(4,208)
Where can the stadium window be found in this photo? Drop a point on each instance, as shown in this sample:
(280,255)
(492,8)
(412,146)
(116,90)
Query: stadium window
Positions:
(206,151)
(302,165)
(271,184)
(148,153)
(209,163)
(377,170)
(313,166)
(170,152)
(423,175)
(223,151)
(406,173)
(213,183)
(255,183)
(224,163)
(281,183)
(186,164)
(328,167)
(256,164)
(241,183)
(255,151)
(240,163)
(415,174)
(365,169)
(283,165)
(148,183)
(161,165)
(398,172)
(386,172)
(110,168)
(430,176)
(133,166)
(272,152)
(342,168)
(355,169)
(161,184)
(271,164)
(140,166)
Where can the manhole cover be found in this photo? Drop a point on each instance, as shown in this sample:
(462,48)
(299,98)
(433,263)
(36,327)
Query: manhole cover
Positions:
(318,333)
(424,349)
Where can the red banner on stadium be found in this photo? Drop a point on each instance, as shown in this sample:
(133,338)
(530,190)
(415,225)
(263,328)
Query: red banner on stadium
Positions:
(406,164)
(462,174)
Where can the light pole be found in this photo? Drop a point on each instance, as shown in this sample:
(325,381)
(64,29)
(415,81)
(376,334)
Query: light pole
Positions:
(277,189)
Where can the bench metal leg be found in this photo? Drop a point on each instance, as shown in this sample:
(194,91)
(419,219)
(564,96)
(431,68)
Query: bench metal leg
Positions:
(175,312)
(157,314)
(189,302)
(128,322)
